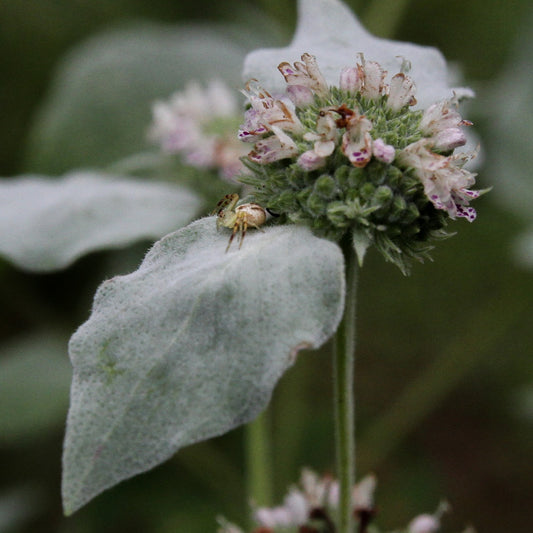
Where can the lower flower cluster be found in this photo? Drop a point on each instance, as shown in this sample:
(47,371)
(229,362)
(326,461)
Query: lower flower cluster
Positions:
(311,508)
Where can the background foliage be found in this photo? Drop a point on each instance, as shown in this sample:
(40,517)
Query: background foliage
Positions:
(444,369)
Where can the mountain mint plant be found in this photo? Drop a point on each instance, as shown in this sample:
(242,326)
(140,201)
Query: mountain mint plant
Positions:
(339,157)
(347,141)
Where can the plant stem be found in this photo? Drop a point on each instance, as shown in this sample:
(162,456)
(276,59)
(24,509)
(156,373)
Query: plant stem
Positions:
(344,357)
(259,461)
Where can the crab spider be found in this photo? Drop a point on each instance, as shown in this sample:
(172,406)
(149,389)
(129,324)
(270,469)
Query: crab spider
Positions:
(239,218)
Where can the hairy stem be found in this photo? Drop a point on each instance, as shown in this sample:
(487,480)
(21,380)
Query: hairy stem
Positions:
(344,356)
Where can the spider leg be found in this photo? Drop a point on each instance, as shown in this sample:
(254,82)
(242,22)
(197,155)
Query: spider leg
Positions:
(244,227)
(226,204)
(232,236)
(255,226)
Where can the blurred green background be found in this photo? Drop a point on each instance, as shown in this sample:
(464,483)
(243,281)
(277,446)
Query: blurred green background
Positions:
(444,375)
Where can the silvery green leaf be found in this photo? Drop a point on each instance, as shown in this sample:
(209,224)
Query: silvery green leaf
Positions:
(34,380)
(46,224)
(508,111)
(331,32)
(191,345)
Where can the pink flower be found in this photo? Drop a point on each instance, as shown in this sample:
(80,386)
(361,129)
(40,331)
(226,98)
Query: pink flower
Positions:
(373,77)
(184,125)
(424,523)
(306,74)
(270,111)
(273,148)
(446,182)
(383,152)
(356,141)
(401,92)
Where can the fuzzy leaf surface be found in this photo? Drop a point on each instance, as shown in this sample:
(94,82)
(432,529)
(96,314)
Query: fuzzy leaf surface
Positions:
(46,224)
(328,30)
(191,345)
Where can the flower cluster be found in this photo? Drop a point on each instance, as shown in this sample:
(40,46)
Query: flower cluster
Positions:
(199,124)
(311,506)
(357,157)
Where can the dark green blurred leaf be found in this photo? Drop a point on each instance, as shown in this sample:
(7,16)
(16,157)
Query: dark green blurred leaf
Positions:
(34,383)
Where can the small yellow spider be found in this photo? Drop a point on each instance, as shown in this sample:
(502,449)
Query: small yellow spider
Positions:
(239,218)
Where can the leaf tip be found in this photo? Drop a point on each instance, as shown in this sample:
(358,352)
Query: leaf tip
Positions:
(361,242)
(69,507)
